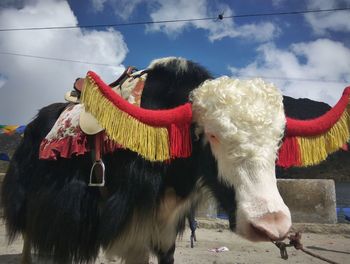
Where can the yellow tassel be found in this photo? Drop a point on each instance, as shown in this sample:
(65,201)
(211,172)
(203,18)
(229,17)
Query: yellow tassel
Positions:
(152,143)
(338,135)
(312,150)
(316,149)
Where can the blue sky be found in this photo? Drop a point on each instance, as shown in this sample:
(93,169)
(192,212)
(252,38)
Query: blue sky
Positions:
(304,55)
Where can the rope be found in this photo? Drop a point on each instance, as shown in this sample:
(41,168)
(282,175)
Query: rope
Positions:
(294,241)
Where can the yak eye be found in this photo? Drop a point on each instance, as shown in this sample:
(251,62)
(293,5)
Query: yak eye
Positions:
(212,138)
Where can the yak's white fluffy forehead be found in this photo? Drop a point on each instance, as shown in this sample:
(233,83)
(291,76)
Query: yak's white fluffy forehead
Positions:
(245,111)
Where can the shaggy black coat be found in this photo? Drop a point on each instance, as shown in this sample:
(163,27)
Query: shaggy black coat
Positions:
(51,202)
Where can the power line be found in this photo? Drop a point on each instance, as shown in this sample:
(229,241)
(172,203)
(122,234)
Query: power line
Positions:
(290,13)
(55,59)
(109,65)
(292,79)
(219,17)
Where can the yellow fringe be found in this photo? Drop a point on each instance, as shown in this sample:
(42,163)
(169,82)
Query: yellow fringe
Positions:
(316,149)
(152,143)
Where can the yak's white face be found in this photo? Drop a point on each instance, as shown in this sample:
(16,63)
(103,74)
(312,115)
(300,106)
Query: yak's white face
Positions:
(243,121)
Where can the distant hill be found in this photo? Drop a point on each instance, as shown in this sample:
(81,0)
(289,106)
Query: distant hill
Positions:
(337,166)
(304,108)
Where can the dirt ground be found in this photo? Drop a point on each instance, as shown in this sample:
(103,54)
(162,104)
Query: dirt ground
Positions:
(333,246)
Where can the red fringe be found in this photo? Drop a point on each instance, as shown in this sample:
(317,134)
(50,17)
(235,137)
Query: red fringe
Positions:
(180,141)
(289,153)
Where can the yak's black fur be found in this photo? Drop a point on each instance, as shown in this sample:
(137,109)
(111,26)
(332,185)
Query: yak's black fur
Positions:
(51,203)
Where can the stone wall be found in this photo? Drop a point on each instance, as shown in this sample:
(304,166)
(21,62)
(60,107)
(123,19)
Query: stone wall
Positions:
(310,201)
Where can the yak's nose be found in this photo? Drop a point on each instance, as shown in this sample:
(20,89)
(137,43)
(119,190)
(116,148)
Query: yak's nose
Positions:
(272,226)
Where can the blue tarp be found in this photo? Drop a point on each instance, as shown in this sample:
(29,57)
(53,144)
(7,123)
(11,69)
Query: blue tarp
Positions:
(20,129)
(4,156)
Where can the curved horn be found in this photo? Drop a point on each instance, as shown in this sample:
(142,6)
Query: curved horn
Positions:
(320,125)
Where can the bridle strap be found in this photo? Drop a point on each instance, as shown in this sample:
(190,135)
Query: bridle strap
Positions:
(126,74)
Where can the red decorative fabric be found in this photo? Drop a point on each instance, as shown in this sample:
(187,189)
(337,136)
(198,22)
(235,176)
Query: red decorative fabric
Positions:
(64,148)
(66,139)
(321,124)
(289,153)
(180,141)
(73,146)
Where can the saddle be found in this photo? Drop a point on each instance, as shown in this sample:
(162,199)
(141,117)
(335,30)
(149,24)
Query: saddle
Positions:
(130,86)
(103,118)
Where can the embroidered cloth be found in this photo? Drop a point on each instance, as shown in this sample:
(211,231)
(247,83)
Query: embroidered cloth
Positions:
(65,138)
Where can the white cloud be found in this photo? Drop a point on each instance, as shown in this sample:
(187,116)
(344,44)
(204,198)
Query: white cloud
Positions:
(34,83)
(325,4)
(324,22)
(217,29)
(98,5)
(12,3)
(320,60)
(122,8)
(277,3)
(2,81)
(261,32)
(160,10)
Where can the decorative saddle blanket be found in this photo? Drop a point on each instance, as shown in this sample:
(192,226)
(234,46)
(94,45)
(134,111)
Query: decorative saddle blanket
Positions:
(156,135)
(66,138)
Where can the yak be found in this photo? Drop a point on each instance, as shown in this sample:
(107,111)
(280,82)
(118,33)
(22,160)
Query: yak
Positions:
(235,133)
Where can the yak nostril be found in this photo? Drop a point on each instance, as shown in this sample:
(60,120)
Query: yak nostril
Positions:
(263,234)
(273,226)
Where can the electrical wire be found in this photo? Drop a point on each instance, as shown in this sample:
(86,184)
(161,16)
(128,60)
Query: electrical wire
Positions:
(219,17)
(292,79)
(238,76)
(54,59)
